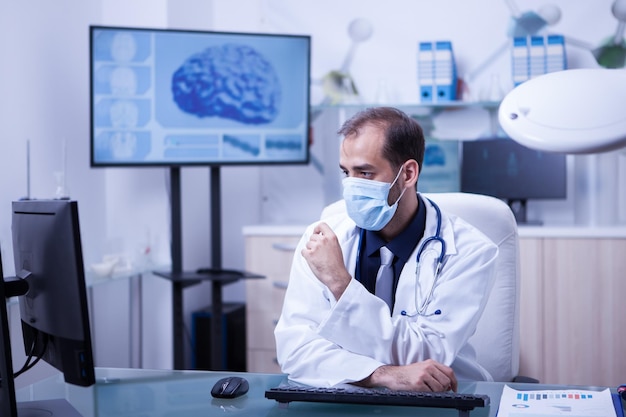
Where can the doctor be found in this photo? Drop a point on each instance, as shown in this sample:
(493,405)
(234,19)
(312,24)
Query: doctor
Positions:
(409,330)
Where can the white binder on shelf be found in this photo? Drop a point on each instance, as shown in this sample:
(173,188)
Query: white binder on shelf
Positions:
(445,72)
(537,55)
(520,60)
(437,76)
(426,71)
(555,53)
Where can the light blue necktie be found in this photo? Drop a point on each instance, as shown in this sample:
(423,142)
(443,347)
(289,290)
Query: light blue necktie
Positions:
(384,278)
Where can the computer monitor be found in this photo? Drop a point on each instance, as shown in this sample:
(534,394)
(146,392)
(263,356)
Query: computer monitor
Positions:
(167,97)
(51,289)
(502,168)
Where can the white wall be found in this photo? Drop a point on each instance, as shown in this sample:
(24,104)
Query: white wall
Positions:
(45,99)
(44,83)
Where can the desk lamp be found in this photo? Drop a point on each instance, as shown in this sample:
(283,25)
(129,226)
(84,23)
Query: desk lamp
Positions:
(573,111)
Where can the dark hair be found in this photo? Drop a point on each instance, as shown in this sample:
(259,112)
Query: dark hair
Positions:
(404,138)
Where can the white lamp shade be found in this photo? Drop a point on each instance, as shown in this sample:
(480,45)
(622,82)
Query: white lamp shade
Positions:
(573,111)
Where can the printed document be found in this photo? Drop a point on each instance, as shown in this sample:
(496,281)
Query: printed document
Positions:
(548,403)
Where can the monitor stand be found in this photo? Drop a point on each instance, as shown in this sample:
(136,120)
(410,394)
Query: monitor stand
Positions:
(518,207)
(46,408)
(9,407)
(216,274)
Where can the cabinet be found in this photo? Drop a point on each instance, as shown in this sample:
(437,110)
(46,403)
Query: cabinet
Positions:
(269,255)
(571,297)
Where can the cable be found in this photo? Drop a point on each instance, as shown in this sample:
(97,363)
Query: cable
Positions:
(27,364)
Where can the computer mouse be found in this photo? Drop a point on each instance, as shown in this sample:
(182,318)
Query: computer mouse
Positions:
(230,387)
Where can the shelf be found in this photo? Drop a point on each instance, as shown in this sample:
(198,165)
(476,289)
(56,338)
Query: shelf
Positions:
(425,113)
(412,107)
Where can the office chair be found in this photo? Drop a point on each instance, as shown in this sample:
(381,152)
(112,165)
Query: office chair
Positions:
(497,336)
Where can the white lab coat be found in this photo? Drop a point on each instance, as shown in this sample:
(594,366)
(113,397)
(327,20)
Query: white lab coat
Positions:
(324,342)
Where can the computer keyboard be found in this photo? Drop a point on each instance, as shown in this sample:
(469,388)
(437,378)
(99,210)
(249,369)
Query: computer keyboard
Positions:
(463,402)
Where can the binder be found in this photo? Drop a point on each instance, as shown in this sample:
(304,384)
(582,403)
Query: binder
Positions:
(537,57)
(426,72)
(437,75)
(445,72)
(520,60)
(555,53)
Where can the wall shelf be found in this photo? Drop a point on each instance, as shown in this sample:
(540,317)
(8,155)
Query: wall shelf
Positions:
(424,112)
(442,105)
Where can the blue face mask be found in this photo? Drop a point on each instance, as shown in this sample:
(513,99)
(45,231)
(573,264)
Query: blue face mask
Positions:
(366,201)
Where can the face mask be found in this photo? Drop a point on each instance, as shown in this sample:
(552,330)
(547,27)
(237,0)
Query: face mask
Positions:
(366,201)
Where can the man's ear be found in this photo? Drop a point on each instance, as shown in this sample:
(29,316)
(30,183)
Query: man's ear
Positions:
(411,172)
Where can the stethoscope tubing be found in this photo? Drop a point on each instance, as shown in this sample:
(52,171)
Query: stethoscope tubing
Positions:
(436,238)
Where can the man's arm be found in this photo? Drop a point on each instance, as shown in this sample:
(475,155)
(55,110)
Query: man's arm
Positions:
(323,254)
(428,375)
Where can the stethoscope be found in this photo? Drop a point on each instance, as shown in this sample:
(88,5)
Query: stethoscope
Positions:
(429,240)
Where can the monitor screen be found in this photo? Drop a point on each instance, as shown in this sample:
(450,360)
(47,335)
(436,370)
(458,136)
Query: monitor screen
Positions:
(502,168)
(54,310)
(178,97)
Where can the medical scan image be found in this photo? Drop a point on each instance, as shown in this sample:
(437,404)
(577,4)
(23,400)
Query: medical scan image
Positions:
(231,81)
(162,97)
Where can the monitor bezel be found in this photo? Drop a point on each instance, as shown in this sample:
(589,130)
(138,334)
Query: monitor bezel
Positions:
(561,194)
(194,163)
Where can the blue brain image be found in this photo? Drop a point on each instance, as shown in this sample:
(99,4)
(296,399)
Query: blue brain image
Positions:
(231,81)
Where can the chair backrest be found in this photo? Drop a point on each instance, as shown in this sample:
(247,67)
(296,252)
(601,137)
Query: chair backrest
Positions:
(497,335)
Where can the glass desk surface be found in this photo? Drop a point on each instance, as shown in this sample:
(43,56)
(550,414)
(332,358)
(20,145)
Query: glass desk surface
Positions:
(164,393)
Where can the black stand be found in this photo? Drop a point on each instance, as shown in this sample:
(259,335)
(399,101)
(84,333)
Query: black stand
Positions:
(518,207)
(181,280)
(8,406)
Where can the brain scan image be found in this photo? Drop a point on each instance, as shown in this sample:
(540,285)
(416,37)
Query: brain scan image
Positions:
(123,81)
(123,145)
(124,114)
(230,81)
(123,47)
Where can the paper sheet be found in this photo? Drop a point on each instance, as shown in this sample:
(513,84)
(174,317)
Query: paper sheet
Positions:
(548,403)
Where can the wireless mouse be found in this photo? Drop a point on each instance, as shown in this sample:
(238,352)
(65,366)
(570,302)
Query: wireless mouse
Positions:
(230,387)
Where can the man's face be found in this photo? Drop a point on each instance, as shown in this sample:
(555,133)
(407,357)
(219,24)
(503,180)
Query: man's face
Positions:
(361,156)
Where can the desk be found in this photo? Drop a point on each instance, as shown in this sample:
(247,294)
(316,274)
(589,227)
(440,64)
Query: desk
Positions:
(157,393)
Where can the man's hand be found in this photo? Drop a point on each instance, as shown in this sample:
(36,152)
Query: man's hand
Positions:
(428,375)
(323,254)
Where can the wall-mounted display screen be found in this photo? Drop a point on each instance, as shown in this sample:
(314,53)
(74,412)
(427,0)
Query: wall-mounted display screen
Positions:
(175,97)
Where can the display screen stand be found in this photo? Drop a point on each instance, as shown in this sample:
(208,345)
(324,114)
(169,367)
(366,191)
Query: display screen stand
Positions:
(216,274)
